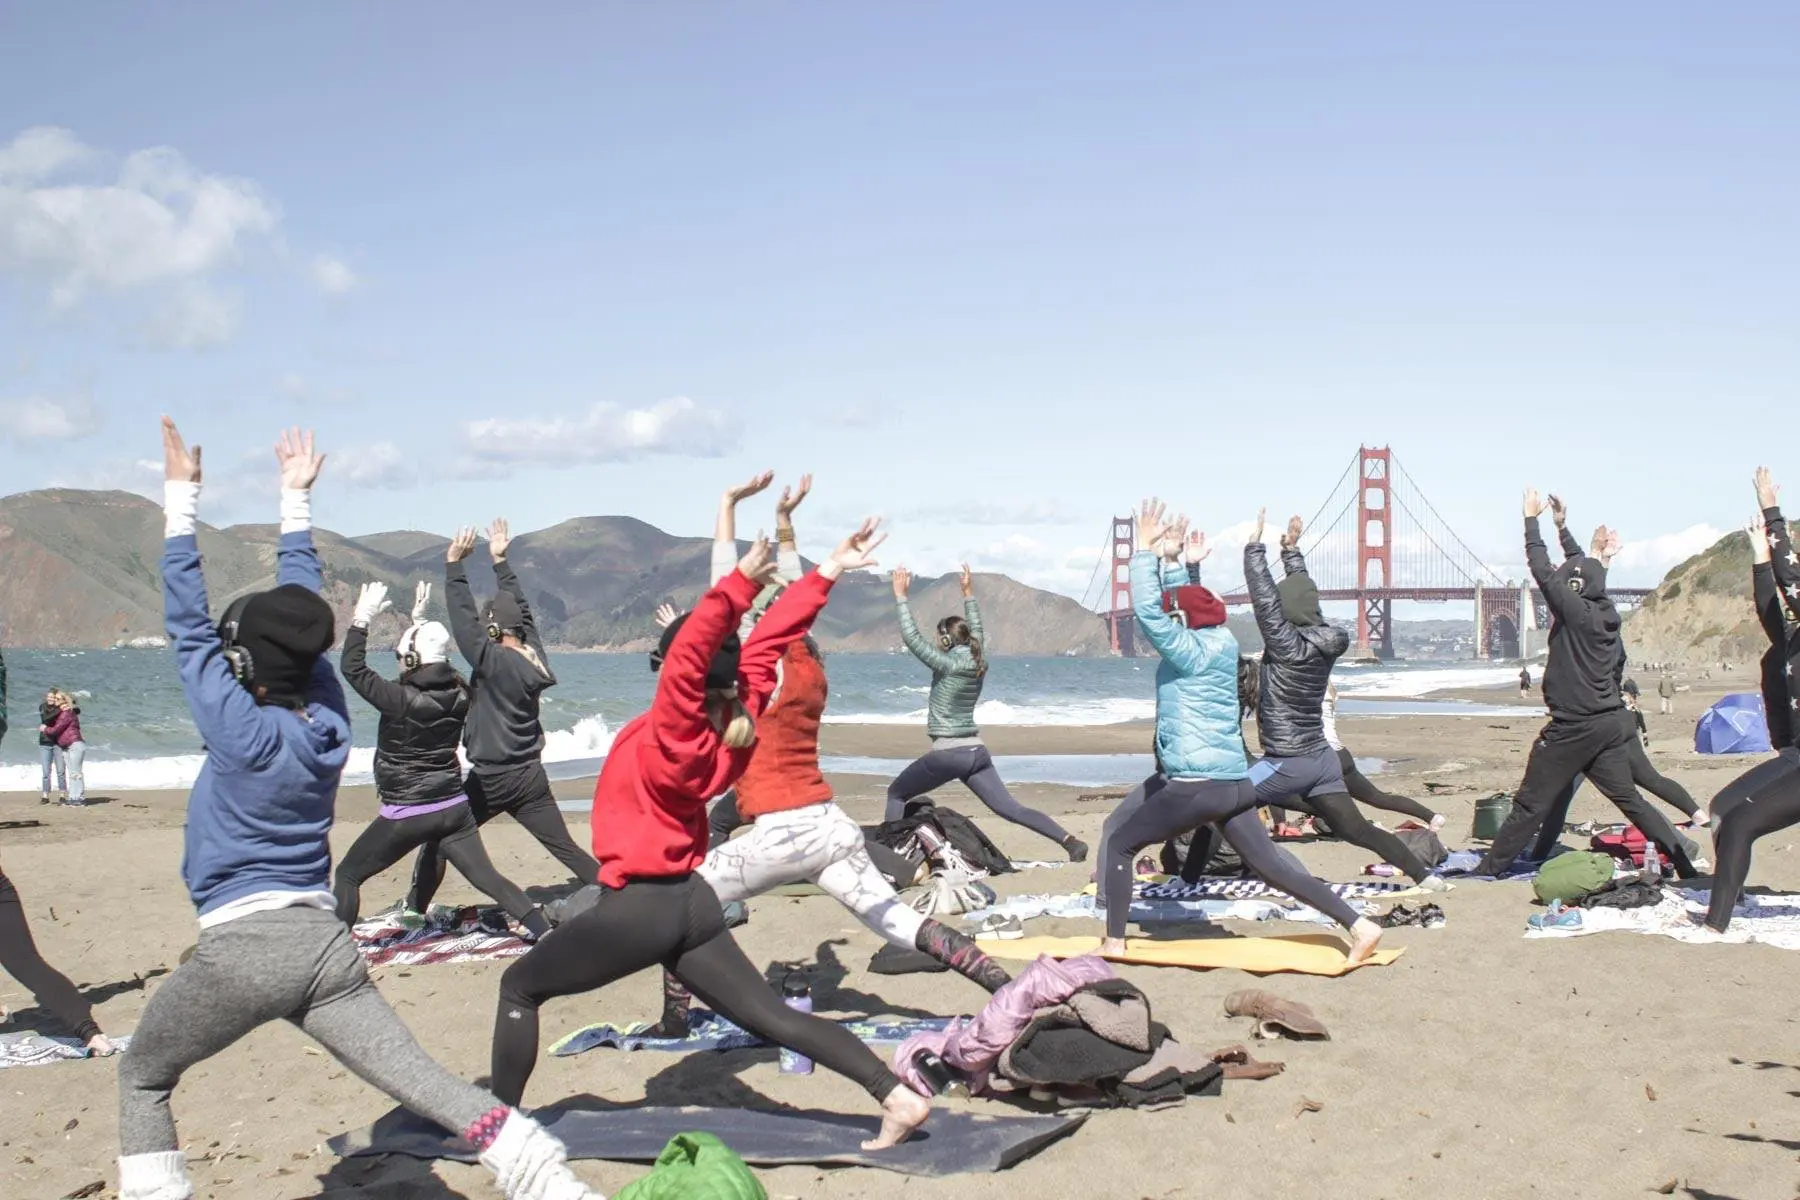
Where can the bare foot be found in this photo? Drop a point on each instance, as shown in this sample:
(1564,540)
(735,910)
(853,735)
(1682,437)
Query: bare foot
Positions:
(1112,947)
(1365,935)
(903,1111)
(100,1046)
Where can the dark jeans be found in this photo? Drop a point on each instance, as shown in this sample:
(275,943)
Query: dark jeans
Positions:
(1761,800)
(20,958)
(1643,774)
(1160,808)
(675,922)
(457,838)
(1598,748)
(972,766)
(523,793)
(1314,783)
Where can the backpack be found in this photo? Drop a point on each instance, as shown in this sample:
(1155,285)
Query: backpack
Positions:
(1627,847)
(1426,844)
(1573,875)
(971,845)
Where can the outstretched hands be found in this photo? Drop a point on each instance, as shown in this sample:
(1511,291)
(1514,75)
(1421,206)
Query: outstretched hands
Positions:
(1151,526)
(1290,540)
(1175,538)
(902,580)
(1533,505)
(758,564)
(462,545)
(1768,492)
(1197,549)
(499,538)
(180,465)
(1559,512)
(421,598)
(1256,531)
(1759,540)
(665,615)
(300,463)
(856,551)
(371,602)
(967,579)
(791,497)
(749,488)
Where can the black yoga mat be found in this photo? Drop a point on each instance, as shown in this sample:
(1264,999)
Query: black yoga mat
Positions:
(951,1143)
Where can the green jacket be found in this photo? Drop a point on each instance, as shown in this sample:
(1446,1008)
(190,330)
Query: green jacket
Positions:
(955,676)
(695,1166)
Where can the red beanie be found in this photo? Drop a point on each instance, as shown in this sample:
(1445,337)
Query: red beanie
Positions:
(1200,609)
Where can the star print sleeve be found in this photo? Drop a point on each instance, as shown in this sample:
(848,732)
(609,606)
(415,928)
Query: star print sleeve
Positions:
(1783,561)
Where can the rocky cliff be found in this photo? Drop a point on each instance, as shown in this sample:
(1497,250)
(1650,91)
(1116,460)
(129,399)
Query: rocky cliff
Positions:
(1701,612)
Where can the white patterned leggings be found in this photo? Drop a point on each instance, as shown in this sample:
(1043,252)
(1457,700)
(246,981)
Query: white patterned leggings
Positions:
(818,843)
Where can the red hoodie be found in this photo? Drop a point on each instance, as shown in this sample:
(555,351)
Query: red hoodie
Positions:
(649,817)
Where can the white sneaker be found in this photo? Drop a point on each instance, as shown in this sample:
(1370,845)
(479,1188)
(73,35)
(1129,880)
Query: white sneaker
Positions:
(530,1164)
(1006,929)
(158,1176)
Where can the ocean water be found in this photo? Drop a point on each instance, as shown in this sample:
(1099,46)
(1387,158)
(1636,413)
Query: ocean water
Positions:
(139,734)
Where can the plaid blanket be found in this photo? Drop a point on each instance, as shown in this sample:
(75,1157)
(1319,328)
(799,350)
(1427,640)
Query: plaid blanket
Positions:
(710,1031)
(36,1050)
(1216,888)
(452,936)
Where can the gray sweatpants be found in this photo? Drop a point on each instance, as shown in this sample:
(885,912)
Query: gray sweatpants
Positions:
(297,964)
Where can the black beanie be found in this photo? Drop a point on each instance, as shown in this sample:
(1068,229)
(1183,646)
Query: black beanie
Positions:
(721,675)
(1300,600)
(285,632)
(504,611)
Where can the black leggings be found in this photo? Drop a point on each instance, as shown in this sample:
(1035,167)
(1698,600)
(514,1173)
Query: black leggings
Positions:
(524,794)
(20,958)
(1365,792)
(973,766)
(453,831)
(1761,800)
(1161,807)
(1643,775)
(673,921)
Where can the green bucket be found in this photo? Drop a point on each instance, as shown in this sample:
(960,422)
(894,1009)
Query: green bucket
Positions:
(1490,814)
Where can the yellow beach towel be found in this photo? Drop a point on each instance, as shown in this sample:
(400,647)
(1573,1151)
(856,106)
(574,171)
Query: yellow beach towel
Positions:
(1304,954)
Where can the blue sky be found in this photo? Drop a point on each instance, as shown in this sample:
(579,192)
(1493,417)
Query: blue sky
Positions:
(994,271)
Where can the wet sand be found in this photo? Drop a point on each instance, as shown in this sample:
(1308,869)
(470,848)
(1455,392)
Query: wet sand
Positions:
(1479,1065)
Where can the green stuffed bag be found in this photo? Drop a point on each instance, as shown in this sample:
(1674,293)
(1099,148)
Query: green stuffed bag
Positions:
(1572,875)
(695,1166)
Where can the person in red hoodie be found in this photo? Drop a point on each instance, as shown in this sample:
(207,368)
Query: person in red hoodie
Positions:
(798,833)
(650,834)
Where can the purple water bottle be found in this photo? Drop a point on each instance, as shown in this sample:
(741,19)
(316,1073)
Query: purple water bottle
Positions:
(797,996)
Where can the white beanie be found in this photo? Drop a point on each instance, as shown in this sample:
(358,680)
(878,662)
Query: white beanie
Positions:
(428,639)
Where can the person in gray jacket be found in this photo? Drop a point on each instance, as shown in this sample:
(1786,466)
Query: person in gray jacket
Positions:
(1299,768)
(958,669)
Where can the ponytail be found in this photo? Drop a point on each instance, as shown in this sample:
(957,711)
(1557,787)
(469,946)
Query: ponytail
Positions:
(740,731)
(954,632)
(1249,686)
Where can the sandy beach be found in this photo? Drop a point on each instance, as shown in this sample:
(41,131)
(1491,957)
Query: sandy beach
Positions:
(1479,1065)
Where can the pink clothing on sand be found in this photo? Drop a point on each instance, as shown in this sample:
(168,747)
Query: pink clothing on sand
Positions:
(972,1045)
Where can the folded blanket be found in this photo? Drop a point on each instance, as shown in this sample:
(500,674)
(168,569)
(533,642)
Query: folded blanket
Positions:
(709,1031)
(36,1050)
(1772,920)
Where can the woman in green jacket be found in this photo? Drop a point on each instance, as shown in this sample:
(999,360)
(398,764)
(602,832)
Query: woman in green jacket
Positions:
(958,668)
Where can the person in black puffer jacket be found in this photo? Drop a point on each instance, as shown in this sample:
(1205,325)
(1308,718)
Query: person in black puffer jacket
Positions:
(1299,767)
(417,773)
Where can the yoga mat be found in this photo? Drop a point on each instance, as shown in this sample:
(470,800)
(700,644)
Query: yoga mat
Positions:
(709,1031)
(951,1143)
(1303,954)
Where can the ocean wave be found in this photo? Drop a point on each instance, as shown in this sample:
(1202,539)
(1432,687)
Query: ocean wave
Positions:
(1112,710)
(589,739)
(1376,681)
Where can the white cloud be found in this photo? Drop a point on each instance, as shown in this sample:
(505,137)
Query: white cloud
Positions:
(1645,561)
(301,390)
(377,465)
(987,512)
(43,418)
(332,276)
(607,433)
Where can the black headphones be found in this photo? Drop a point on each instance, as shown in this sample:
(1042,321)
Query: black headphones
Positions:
(243,667)
(409,657)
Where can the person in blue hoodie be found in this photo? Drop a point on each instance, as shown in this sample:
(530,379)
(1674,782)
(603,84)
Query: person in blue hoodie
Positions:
(1201,777)
(257,862)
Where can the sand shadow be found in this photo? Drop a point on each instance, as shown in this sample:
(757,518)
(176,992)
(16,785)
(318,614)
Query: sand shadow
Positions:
(1700,1193)
(384,1177)
(27,824)
(94,994)
(826,977)
(1762,1064)
(1785,1143)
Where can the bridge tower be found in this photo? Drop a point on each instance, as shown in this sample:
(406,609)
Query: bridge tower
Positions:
(1119,621)
(1374,554)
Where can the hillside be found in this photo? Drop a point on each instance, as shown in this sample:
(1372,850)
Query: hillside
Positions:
(1701,612)
(79,569)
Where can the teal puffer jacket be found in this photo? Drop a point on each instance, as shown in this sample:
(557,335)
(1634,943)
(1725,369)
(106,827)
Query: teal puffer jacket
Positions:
(955,676)
(1196,685)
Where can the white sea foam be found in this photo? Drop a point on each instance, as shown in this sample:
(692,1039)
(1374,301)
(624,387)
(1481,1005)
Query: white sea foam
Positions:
(1112,710)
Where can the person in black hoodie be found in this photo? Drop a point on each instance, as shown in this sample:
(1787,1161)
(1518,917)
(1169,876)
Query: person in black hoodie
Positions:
(504,738)
(1767,796)
(417,775)
(1590,730)
(1299,767)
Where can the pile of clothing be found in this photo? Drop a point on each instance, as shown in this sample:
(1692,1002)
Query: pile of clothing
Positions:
(1075,1031)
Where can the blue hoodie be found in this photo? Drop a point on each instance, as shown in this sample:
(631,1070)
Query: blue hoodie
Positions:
(260,813)
(1196,684)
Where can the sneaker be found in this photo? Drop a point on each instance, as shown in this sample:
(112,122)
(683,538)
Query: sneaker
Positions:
(1555,917)
(997,927)
(1431,917)
(44,799)
(1078,849)
(1398,916)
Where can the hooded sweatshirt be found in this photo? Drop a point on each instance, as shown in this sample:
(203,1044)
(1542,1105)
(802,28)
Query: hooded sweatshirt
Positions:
(1297,658)
(503,729)
(260,812)
(1581,675)
(649,817)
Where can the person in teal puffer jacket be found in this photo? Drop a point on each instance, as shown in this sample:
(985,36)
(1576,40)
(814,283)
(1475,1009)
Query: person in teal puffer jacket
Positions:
(1201,774)
(958,669)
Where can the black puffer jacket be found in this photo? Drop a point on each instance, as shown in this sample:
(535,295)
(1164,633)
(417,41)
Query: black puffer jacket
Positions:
(421,725)
(1296,662)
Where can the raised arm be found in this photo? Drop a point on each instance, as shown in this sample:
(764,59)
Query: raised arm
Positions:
(678,711)
(788,566)
(1184,648)
(231,725)
(972,610)
(499,537)
(792,615)
(384,695)
(933,656)
(725,547)
(1762,584)
(1559,512)
(1280,639)
(297,560)
(459,600)
(1783,562)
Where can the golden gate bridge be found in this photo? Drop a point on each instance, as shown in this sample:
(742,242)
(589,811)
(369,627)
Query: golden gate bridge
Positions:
(1383,541)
